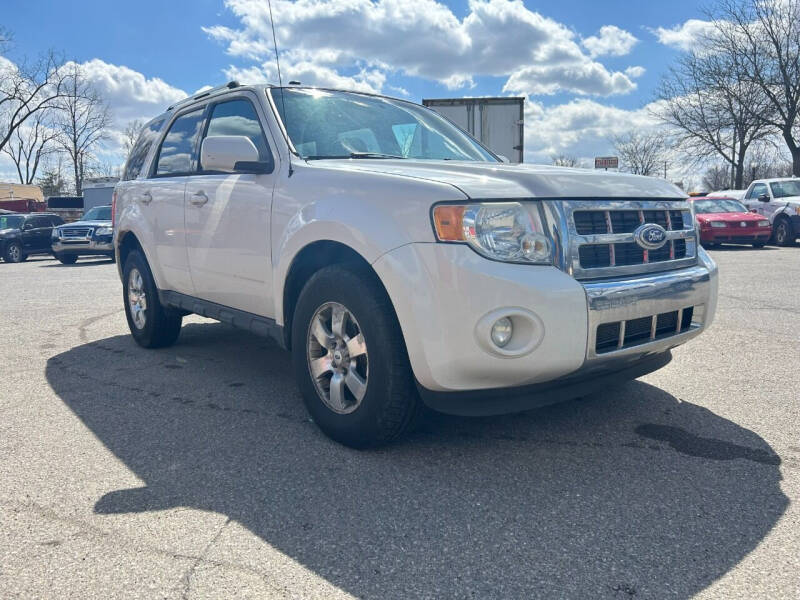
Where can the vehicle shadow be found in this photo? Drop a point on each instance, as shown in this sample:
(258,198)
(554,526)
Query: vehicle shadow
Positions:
(628,492)
(86,262)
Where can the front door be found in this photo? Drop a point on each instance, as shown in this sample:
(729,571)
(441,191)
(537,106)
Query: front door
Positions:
(228,219)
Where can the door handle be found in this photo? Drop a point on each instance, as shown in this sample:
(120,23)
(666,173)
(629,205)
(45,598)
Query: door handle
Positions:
(199,198)
(145,198)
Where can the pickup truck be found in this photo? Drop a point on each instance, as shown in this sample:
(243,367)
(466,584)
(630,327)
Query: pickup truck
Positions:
(401,262)
(779,201)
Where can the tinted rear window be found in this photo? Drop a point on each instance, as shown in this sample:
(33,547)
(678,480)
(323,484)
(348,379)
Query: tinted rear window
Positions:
(142,148)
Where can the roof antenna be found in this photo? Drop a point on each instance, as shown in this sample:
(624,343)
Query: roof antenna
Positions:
(280,83)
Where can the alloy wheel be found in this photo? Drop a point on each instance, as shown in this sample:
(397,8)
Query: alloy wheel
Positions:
(137,298)
(337,358)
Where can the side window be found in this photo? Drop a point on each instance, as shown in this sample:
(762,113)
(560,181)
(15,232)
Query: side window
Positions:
(140,150)
(176,155)
(238,117)
(758,190)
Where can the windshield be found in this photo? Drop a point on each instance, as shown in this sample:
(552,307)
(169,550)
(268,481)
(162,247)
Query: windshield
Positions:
(718,205)
(10,222)
(782,189)
(330,124)
(98,213)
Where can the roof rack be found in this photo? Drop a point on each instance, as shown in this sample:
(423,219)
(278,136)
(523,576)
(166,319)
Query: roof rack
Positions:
(210,92)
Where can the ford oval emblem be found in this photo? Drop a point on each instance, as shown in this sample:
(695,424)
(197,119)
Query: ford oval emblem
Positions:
(650,236)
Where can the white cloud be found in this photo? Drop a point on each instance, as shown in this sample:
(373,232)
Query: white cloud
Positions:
(130,94)
(635,72)
(686,36)
(610,41)
(500,38)
(581,128)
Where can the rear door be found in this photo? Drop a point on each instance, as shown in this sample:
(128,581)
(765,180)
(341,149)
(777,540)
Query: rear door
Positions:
(161,198)
(228,216)
(36,238)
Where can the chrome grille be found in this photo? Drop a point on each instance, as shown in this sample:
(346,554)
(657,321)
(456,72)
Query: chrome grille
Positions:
(76,232)
(600,243)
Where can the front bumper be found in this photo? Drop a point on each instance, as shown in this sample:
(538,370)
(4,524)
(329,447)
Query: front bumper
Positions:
(84,247)
(445,295)
(735,235)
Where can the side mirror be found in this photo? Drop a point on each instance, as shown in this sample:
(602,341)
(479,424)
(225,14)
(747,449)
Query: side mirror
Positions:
(230,153)
(503,158)
(27,227)
(763,198)
(753,210)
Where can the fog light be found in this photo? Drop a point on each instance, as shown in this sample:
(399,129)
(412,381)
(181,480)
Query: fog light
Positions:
(501,332)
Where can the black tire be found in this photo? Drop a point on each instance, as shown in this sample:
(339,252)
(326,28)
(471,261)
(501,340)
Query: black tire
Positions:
(759,244)
(14,253)
(390,401)
(67,259)
(162,325)
(783,232)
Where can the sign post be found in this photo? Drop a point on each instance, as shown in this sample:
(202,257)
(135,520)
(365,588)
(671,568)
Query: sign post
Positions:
(606,162)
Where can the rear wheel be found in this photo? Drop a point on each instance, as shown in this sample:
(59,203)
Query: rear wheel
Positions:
(350,359)
(759,244)
(67,259)
(784,232)
(152,325)
(13,253)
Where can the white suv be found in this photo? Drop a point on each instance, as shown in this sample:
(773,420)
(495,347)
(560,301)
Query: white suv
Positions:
(779,201)
(399,260)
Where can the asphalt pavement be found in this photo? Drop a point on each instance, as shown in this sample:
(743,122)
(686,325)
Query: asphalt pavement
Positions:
(194,471)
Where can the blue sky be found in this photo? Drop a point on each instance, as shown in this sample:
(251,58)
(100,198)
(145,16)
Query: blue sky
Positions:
(168,48)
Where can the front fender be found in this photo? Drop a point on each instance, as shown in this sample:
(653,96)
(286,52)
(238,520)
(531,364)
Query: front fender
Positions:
(360,227)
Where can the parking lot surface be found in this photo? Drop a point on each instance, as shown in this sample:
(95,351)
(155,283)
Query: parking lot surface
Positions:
(194,471)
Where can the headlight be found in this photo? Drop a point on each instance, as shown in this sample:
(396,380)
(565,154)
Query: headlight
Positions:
(505,231)
(718,224)
(763,223)
(104,231)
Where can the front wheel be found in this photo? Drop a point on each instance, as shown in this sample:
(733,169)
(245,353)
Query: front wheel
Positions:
(784,233)
(759,244)
(350,359)
(152,324)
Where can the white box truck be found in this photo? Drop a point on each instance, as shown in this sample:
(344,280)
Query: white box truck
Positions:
(498,123)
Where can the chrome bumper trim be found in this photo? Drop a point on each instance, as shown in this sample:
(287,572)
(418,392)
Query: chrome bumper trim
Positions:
(646,296)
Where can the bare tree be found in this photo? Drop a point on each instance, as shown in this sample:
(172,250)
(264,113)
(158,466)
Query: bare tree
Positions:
(31,144)
(26,89)
(131,134)
(763,37)
(641,153)
(82,122)
(717,177)
(713,109)
(564,160)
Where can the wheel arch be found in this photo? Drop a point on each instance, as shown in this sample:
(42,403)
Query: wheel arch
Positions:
(310,259)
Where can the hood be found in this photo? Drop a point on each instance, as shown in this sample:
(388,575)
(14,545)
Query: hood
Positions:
(501,180)
(733,216)
(8,232)
(86,224)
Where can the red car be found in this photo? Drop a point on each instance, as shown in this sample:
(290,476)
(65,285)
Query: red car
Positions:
(727,221)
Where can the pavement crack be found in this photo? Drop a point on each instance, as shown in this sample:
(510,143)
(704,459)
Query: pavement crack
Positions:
(186,580)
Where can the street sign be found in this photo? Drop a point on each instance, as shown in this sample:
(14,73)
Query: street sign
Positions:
(606,162)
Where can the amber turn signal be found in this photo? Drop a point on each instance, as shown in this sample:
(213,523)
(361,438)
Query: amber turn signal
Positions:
(449,222)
